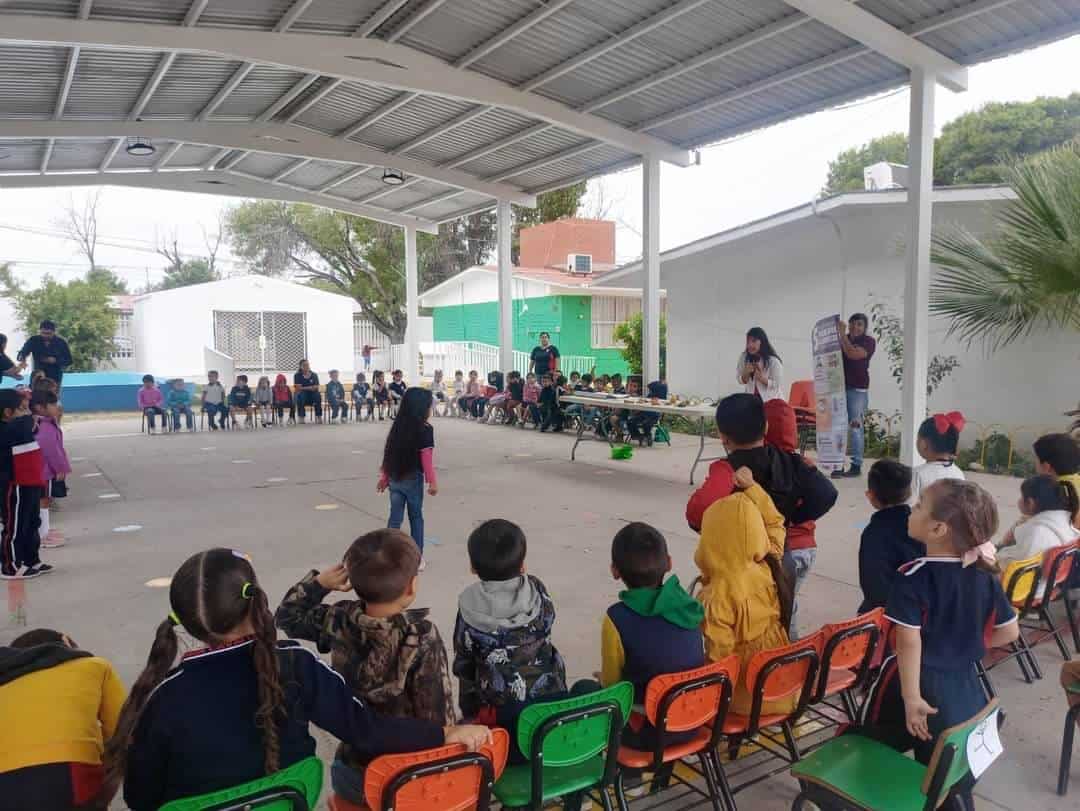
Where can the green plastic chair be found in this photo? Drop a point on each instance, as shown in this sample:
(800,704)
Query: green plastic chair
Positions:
(296,788)
(853,772)
(572,745)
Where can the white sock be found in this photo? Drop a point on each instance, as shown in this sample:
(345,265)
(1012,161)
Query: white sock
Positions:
(44,530)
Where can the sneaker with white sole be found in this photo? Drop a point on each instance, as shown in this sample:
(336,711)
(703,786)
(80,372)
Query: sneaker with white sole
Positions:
(37,570)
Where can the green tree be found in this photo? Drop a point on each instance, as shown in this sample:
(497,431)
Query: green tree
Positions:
(80,309)
(366,259)
(1026,275)
(190,271)
(846,169)
(972,147)
(628,333)
(106,278)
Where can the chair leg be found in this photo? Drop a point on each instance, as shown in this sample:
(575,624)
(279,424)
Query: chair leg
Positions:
(984,680)
(727,795)
(850,707)
(1044,613)
(605,798)
(620,792)
(1028,655)
(789,738)
(718,802)
(1071,717)
(1074,621)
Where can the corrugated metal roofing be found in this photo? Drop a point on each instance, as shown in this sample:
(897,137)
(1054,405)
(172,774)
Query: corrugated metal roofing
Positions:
(689,72)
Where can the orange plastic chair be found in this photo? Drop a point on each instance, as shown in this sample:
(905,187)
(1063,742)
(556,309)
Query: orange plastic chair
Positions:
(691,701)
(1058,564)
(847,654)
(443,779)
(775,675)
(801,400)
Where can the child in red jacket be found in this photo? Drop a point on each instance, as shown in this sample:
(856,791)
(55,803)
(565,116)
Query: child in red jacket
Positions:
(21,484)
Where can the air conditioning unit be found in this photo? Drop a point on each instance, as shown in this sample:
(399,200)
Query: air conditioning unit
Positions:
(579,264)
(883,176)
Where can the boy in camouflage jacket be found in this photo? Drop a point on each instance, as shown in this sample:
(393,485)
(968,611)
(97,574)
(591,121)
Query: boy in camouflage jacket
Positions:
(391,657)
(503,654)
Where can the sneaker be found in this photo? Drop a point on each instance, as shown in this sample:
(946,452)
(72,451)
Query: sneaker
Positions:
(22,573)
(36,571)
(423,564)
(8,573)
(854,472)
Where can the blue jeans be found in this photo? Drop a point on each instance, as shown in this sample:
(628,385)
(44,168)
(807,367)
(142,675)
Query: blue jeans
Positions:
(857,402)
(176,412)
(804,561)
(216,409)
(408,493)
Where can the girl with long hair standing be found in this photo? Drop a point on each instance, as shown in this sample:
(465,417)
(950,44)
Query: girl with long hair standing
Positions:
(238,708)
(409,460)
(759,368)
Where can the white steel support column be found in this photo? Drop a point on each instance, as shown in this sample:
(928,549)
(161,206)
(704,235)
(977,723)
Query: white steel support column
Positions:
(917,283)
(412,285)
(650,263)
(506,288)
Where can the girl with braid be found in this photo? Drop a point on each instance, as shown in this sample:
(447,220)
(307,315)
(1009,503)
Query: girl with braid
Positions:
(239,707)
(947,607)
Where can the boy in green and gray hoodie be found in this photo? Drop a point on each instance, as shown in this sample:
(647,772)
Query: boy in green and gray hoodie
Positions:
(654,629)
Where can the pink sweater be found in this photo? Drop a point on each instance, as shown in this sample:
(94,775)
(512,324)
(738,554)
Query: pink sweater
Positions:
(51,441)
(150,398)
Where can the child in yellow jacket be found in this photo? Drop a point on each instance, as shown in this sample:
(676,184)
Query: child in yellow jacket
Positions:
(747,602)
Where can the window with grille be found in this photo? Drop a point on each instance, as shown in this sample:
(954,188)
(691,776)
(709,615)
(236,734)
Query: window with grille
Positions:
(607,313)
(236,334)
(123,341)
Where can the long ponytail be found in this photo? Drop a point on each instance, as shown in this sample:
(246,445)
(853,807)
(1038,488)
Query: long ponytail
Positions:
(785,590)
(271,696)
(158,663)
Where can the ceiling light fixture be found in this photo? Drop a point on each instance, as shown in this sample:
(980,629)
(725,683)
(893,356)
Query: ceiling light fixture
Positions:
(138,148)
(393,177)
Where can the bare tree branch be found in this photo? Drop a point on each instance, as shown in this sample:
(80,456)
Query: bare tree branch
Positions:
(213,242)
(81,226)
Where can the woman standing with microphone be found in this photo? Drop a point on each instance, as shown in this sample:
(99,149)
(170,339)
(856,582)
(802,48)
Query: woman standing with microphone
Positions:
(759,368)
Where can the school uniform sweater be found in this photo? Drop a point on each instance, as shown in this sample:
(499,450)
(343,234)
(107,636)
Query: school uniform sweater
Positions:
(884,547)
(197,732)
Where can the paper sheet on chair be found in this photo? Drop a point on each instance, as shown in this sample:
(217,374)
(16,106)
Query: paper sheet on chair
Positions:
(984,745)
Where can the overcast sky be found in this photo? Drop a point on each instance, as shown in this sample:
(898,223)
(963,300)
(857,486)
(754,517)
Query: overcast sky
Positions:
(745,179)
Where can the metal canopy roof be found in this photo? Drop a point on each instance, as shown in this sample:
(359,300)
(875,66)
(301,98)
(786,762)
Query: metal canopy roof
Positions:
(473,100)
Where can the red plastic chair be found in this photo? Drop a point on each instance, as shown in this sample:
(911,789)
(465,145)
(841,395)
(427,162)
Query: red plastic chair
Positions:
(693,700)
(443,779)
(775,675)
(802,401)
(847,653)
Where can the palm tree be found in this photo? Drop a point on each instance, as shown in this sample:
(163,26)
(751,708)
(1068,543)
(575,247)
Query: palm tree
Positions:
(1027,274)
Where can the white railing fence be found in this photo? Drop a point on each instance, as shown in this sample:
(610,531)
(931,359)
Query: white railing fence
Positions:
(450,356)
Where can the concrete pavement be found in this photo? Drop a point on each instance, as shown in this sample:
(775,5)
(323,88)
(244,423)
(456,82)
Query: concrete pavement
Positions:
(295,498)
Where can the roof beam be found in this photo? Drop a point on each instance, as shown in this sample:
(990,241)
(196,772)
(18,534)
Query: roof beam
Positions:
(288,170)
(344,178)
(241,73)
(926,26)
(44,167)
(117,143)
(167,155)
(276,139)
(872,31)
(381,15)
(479,52)
(413,20)
(194,11)
(377,195)
(217,183)
(430,201)
(365,60)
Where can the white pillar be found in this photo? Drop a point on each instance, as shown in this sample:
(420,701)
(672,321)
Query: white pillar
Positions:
(412,285)
(650,263)
(506,288)
(917,283)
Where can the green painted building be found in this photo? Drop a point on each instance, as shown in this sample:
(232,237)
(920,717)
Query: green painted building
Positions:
(548,296)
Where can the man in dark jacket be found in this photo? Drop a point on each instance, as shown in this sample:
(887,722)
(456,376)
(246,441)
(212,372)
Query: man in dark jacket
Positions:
(50,352)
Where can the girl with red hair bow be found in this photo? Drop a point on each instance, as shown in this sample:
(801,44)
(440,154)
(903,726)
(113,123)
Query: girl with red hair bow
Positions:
(938,438)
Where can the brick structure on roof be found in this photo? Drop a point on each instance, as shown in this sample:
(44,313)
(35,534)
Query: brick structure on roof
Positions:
(547,245)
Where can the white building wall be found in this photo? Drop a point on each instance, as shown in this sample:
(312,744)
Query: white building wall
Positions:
(9,326)
(173,327)
(786,278)
(477,287)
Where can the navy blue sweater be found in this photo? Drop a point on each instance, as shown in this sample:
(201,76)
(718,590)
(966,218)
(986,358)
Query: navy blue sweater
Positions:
(197,732)
(885,547)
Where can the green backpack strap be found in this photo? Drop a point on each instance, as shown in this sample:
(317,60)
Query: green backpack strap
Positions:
(304,776)
(574,741)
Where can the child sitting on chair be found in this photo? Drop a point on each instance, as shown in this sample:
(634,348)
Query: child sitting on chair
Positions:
(391,656)
(214,400)
(151,402)
(282,399)
(654,629)
(361,398)
(503,654)
(179,402)
(240,400)
(438,393)
(335,397)
(937,441)
(264,400)
(381,393)
(397,389)
(457,391)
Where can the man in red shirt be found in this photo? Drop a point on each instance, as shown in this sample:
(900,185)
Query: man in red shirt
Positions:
(858,348)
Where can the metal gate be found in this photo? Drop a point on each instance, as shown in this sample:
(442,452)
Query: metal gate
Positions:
(261,341)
